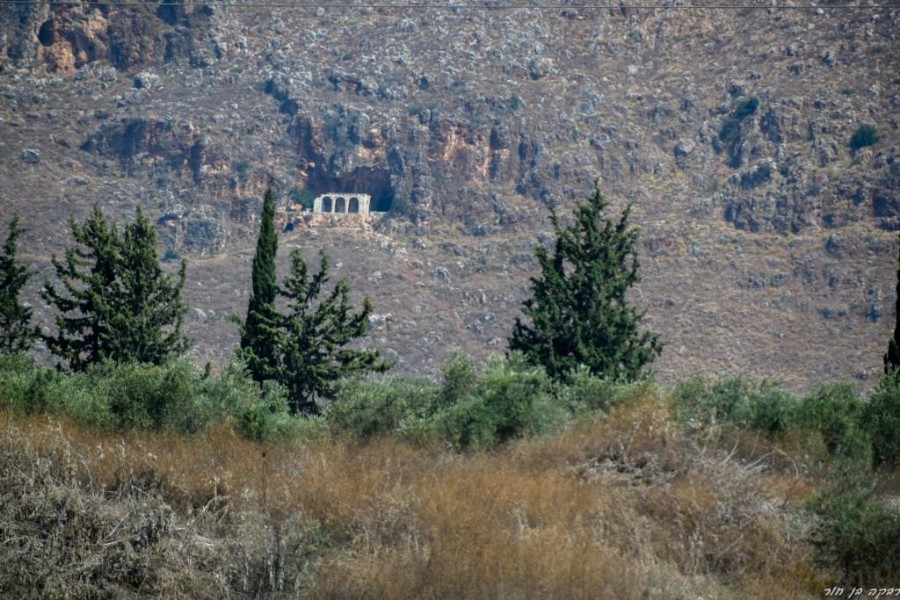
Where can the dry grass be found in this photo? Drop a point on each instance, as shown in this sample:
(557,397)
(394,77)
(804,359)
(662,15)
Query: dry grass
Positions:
(624,507)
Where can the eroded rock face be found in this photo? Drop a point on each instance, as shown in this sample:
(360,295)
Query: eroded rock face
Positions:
(455,109)
(728,131)
(61,38)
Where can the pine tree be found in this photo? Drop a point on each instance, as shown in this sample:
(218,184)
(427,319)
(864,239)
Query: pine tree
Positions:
(149,315)
(578,311)
(16,332)
(257,346)
(892,358)
(114,304)
(88,276)
(311,337)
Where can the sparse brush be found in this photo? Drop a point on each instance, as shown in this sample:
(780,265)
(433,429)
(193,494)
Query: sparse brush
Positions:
(835,411)
(395,406)
(743,403)
(857,532)
(881,420)
(625,503)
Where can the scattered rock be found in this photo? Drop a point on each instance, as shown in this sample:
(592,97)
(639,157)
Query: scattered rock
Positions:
(683,149)
(146,80)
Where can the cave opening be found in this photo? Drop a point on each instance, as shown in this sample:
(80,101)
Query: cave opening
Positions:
(46,33)
(170,12)
(374,181)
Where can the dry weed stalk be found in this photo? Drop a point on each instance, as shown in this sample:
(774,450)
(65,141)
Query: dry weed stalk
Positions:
(628,506)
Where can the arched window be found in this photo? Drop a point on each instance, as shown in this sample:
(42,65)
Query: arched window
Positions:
(340,205)
(354,205)
(326,204)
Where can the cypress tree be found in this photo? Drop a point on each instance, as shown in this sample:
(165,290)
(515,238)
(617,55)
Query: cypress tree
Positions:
(892,358)
(578,310)
(115,302)
(311,337)
(16,332)
(257,345)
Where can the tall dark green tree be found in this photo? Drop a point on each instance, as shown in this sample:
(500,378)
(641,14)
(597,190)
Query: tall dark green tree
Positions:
(148,321)
(311,337)
(83,305)
(892,358)
(304,348)
(16,332)
(257,345)
(113,304)
(578,313)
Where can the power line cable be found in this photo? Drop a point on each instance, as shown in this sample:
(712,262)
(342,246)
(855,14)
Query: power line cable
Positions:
(422,7)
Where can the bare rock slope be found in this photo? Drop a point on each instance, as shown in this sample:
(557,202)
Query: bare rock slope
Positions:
(739,135)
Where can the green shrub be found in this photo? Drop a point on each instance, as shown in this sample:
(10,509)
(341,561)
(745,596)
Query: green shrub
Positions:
(268,417)
(746,108)
(391,406)
(76,396)
(459,379)
(16,363)
(881,420)
(865,135)
(749,404)
(835,411)
(154,397)
(304,197)
(586,392)
(32,389)
(773,409)
(17,373)
(129,396)
(41,392)
(856,532)
(231,392)
(172,396)
(730,131)
(744,403)
(471,424)
(512,399)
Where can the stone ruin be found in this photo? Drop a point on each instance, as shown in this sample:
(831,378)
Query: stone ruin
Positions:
(334,208)
(337,204)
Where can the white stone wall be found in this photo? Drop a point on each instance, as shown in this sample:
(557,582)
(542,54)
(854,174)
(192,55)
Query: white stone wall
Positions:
(341,203)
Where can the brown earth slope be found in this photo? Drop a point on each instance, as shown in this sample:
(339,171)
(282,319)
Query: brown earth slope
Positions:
(768,241)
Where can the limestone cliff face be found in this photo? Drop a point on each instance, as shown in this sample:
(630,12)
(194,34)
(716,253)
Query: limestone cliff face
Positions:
(730,131)
(459,107)
(440,168)
(62,38)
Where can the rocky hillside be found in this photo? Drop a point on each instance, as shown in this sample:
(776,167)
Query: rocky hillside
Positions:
(759,147)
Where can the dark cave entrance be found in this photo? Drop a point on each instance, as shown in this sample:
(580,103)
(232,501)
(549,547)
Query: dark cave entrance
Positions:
(365,180)
(47,33)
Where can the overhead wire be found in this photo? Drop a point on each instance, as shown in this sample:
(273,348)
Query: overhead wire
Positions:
(481,6)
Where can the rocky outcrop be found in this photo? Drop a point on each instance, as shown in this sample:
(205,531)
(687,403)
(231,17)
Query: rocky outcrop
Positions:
(732,132)
(456,110)
(63,37)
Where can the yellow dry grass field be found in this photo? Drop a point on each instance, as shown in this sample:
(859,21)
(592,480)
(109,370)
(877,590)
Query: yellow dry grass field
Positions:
(623,507)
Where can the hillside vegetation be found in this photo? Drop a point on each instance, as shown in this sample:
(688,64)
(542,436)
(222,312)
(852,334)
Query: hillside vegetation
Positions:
(714,488)
(757,143)
(755,148)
